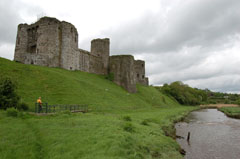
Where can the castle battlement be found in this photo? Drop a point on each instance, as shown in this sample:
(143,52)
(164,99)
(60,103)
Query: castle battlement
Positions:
(53,43)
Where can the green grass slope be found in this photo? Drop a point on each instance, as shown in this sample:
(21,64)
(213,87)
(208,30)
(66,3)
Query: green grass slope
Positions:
(59,86)
(119,126)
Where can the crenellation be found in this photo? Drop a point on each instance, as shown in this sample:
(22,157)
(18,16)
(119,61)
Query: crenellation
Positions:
(53,43)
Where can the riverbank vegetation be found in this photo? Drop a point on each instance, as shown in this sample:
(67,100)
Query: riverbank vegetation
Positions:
(233,112)
(186,95)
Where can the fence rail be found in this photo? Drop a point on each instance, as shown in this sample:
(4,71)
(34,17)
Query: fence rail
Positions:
(45,108)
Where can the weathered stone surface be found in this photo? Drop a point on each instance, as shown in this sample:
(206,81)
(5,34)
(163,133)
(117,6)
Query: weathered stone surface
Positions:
(122,66)
(139,67)
(53,43)
(100,48)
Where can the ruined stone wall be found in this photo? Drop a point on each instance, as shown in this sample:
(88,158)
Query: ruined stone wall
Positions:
(21,43)
(84,57)
(38,43)
(146,81)
(139,67)
(90,63)
(122,66)
(101,48)
(69,42)
(96,65)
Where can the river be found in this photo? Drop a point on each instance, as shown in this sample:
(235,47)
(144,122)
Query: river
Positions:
(213,135)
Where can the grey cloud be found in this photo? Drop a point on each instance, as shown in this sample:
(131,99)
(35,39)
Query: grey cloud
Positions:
(10,18)
(9,21)
(194,23)
(224,83)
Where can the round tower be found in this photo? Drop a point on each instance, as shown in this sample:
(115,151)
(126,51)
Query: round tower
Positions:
(100,48)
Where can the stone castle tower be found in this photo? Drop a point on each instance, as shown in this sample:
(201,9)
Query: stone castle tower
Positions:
(53,43)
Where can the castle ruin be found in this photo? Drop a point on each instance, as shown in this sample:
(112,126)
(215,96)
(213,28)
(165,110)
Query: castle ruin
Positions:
(53,43)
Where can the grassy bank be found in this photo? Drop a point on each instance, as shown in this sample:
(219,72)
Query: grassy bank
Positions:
(233,112)
(92,135)
(119,125)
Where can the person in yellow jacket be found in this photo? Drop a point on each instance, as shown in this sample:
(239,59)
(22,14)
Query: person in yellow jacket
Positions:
(39,101)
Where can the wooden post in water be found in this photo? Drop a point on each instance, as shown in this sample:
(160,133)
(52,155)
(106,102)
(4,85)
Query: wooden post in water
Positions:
(188,136)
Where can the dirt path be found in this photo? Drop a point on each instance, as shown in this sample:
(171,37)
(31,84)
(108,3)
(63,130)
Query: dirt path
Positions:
(218,105)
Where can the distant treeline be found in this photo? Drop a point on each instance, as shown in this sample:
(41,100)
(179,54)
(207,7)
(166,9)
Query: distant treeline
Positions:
(187,95)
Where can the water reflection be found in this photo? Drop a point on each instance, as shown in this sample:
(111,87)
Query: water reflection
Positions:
(213,135)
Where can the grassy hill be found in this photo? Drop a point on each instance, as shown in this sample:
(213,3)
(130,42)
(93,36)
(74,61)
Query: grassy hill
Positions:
(59,86)
(119,125)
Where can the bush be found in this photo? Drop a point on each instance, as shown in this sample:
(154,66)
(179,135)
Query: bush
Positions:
(144,122)
(22,106)
(8,96)
(213,102)
(128,127)
(226,101)
(12,112)
(238,102)
(127,118)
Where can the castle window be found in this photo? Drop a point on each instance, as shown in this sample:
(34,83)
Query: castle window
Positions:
(142,65)
(137,75)
(71,30)
(32,49)
(142,76)
(70,68)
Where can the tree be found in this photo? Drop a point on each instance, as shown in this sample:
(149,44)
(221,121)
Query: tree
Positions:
(238,102)
(8,95)
(184,94)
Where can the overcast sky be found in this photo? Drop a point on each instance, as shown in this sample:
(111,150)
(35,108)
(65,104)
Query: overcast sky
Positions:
(194,41)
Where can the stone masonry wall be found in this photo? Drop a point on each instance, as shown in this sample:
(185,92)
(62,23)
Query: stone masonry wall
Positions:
(84,58)
(122,66)
(139,67)
(100,48)
(38,43)
(69,43)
